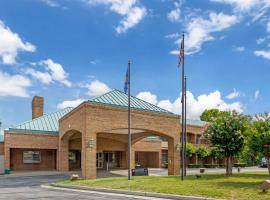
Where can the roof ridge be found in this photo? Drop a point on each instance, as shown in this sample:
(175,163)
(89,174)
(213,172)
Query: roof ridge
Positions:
(135,98)
(100,96)
(146,102)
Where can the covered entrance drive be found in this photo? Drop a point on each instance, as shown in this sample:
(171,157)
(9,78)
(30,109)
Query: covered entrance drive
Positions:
(102,124)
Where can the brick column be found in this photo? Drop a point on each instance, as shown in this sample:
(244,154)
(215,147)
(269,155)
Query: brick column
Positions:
(132,157)
(63,164)
(7,157)
(89,146)
(173,157)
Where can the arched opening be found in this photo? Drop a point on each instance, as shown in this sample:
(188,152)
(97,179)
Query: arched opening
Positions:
(150,149)
(74,152)
(70,149)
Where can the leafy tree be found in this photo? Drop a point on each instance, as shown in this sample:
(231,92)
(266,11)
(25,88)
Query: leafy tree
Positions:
(226,133)
(216,154)
(211,114)
(189,150)
(259,139)
(202,152)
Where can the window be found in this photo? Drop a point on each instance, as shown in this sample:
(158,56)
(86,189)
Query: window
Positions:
(198,139)
(31,157)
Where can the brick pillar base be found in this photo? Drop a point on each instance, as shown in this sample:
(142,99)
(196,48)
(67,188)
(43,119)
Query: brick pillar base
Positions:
(89,145)
(63,164)
(173,157)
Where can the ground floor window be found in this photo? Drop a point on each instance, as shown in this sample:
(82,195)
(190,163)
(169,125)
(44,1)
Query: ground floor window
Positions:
(31,157)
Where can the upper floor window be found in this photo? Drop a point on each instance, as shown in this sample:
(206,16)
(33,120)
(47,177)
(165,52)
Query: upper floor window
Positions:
(198,139)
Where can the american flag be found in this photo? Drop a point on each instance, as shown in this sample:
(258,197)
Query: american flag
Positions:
(181,53)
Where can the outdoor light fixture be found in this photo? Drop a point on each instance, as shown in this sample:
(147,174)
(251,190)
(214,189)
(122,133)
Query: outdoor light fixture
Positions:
(178,147)
(91,143)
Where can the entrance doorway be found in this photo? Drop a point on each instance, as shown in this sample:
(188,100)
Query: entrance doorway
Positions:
(108,160)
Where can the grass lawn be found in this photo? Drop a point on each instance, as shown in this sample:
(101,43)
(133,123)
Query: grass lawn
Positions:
(241,186)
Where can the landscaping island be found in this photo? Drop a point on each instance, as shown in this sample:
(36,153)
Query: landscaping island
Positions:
(241,186)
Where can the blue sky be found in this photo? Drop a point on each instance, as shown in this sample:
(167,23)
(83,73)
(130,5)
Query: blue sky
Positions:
(70,51)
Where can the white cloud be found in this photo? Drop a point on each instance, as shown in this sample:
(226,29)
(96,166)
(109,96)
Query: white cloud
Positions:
(241,5)
(195,106)
(70,103)
(262,53)
(256,94)
(13,85)
(51,3)
(175,14)
(56,71)
(43,77)
(239,49)
(148,96)
(97,88)
(233,94)
(261,40)
(131,11)
(11,44)
(199,30)
(172,36)
(257,9)
(268,26)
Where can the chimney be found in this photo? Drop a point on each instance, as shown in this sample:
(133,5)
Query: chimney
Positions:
(37,106)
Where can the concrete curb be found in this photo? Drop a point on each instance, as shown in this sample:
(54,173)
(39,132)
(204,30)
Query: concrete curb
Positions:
(135,193)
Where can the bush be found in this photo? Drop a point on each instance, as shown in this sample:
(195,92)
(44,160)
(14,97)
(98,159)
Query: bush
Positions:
(194,165)
(239,164)
(211,165)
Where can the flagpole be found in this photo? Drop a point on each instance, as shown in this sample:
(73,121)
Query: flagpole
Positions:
(129,117)
(183,112)
(185,139)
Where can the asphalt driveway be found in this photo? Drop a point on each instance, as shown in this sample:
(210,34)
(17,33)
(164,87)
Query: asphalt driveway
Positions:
(27,186)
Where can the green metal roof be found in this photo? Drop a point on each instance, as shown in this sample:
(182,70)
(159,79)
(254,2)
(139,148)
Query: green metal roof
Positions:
(47,123)
(120,99)
(194,122)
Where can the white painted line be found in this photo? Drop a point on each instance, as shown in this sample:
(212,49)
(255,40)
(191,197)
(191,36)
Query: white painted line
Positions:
(101,193)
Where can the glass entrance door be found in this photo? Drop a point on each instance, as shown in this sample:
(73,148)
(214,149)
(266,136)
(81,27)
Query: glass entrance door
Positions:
(100,160)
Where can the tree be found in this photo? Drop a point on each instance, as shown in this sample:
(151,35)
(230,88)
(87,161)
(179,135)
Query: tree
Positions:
(210,115)
(189,150)
(216,154)
(259,139)
(226,133)
(263,117)
(202,152)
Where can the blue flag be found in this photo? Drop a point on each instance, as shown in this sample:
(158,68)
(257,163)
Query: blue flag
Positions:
(126,81)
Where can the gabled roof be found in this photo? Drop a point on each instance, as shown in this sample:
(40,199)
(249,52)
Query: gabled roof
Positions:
(47,123)
(120,99)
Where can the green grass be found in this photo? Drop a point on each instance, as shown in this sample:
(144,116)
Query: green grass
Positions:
(240,186)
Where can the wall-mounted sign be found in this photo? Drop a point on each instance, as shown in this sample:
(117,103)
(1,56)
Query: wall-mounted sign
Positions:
(91,143)
(31,157)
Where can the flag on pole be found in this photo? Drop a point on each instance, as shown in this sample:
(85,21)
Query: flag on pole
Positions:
(126,82)
(181,53)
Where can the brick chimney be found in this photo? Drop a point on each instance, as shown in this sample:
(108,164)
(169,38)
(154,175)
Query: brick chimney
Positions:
(37,106)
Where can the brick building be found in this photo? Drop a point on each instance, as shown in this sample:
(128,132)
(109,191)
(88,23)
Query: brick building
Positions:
(93,136)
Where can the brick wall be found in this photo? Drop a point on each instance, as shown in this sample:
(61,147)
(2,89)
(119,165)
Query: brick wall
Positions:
(27,141)
(1,148)
(48,160)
